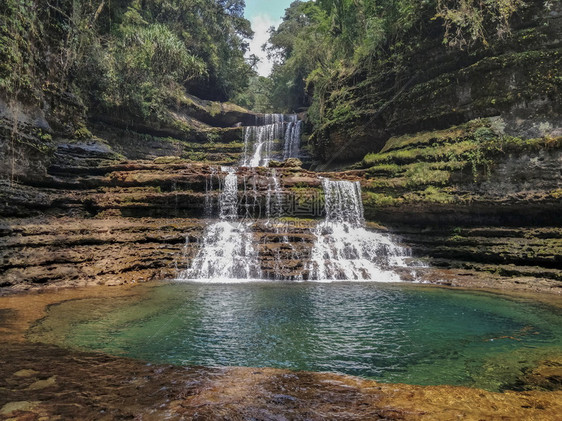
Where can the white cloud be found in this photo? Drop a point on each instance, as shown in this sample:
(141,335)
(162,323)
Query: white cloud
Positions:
(261,24)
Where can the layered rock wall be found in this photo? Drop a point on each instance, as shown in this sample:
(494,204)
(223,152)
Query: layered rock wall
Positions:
(428,86)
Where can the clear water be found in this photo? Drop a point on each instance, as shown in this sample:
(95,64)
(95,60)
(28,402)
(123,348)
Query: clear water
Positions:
(386,332)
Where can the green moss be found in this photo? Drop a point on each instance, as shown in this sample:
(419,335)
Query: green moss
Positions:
(431,158)
(378,200)
(82,133)
(384,183)
(432,194)
(305,197)
(215,108)
(44,136)
(196,156)
(168,160)
(422,174)
(295,219)
(557,194)
(449,166)
(432,137)
(448,151)
(384,169)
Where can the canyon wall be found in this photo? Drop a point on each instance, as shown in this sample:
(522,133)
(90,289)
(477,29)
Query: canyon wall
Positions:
(460,161)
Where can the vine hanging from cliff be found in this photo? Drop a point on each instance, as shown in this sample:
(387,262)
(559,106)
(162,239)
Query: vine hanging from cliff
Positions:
(467,22)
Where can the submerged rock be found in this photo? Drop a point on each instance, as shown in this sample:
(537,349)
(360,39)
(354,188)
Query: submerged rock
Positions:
(93,385)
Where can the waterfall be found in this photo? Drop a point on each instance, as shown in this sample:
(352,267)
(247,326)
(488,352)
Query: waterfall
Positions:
(228,199)
(261,142)
(274,198)
(292,138)
(227,251)
(344,249)
(208,212)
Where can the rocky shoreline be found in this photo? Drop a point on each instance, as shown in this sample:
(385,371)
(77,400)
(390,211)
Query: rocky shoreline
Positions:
(46,382)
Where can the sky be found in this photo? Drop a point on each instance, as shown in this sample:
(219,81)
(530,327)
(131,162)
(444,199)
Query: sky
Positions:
(263,14)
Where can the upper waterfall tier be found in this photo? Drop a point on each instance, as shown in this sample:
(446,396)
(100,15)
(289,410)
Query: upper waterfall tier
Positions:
(277,138)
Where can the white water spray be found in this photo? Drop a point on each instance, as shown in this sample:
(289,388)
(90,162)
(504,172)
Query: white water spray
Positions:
(344,249)
(227,251)
(263,143)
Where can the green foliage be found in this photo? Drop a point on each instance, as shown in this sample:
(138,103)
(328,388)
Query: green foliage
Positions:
(299,47)
(329,52)
(148,64)
(466,21)
(136,56)
(17,25)
(258,97)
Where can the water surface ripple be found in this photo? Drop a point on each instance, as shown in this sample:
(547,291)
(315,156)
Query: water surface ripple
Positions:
(386,332)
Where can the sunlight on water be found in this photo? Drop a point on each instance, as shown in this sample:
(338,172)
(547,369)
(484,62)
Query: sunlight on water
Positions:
(390,333)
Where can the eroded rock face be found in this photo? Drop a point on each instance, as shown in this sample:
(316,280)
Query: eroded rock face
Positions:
(119,208)
(96,218)
(76,251)
(435,87)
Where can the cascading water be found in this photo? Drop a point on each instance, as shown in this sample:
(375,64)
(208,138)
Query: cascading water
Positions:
(292,138)
(261,139)
(227,251)
(208,190)
(261,142)
(285,250)
(228,199)
(344,249)
(274,198)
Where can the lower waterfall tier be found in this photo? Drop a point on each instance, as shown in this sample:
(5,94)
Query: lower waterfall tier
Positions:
(226,253)
(60,252)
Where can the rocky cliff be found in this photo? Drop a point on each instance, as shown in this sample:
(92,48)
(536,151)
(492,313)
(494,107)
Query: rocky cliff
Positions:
(425,85)
(460,160)
(96,217)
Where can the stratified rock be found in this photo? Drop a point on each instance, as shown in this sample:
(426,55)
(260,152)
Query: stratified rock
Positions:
(435,87)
